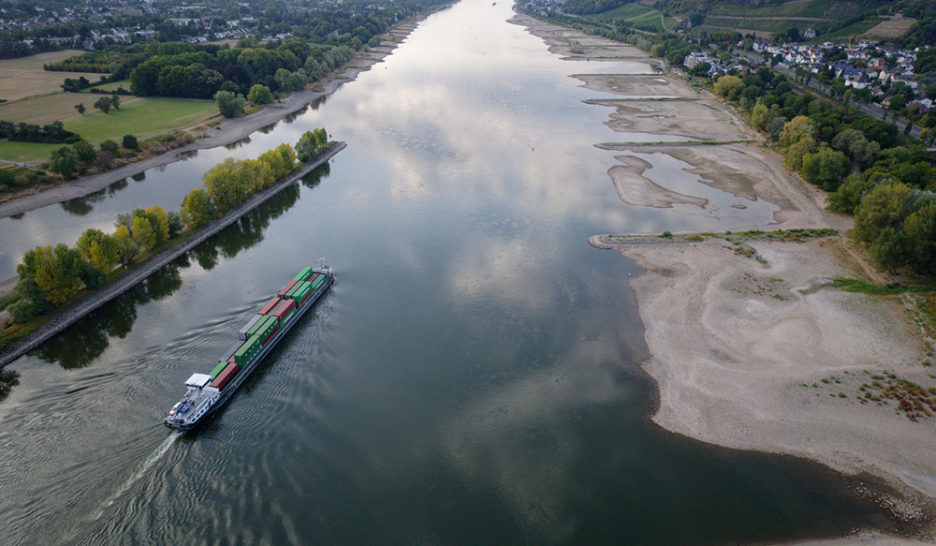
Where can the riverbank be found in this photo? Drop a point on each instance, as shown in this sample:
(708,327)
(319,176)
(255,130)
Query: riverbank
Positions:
(752,349)
(74,312)
(224,133)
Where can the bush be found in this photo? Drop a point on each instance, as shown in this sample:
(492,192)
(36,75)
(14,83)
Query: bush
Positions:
(130,142)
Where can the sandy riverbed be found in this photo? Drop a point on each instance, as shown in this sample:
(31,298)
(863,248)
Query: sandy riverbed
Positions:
(226,132)
(733,339)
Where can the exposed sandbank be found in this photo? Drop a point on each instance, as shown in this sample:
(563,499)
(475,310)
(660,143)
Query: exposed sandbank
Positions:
(689,118)
(733,340)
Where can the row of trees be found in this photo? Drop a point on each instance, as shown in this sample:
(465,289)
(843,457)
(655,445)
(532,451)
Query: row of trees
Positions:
(50,276)
(869,168)
(53,133)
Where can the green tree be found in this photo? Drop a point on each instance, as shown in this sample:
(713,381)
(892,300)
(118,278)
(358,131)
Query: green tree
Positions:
(825,167)
(85,152)
(854,143)
(80,107)
(110,146)
(130,142)
(888,250)
(729,87)
(127,248)
(64,161)
(229,104)
(144,233)
(99,249)
(103,104)
(797,152)
(311,143)
(175,223)
(58,272)
(887,205)
(920,235)
(759,115)
(197,208)
(796,129)
(260,94)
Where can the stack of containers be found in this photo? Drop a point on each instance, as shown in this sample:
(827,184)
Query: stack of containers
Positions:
(225,376)
(284,309)
(287,288)
(269,306)
(301,292)
(267,326)
(248,350)
(245,332)
(317,282)
(218,369)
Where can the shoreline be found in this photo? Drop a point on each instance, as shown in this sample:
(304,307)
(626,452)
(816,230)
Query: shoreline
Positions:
(736,341)
(225,133)
(70,314)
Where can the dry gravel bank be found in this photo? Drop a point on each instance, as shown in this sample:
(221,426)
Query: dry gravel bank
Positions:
(736,343)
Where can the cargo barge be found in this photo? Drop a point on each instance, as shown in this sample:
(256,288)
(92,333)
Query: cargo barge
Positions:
(207,392)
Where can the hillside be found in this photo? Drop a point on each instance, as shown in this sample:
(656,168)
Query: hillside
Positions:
(830,20)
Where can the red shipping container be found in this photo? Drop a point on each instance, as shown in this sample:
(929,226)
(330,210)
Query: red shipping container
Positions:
(269,306)
(313,277)
(225,377)
(283,308)
(282,293)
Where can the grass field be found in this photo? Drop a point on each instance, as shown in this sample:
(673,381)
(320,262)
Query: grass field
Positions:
(26,152)
(24,77)
(143,117)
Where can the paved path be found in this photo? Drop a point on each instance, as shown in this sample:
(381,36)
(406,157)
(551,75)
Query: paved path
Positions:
(71,314)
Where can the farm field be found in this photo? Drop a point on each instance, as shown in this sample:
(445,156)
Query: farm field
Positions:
(624,12)
(832,9)
(890,27)
(24,77)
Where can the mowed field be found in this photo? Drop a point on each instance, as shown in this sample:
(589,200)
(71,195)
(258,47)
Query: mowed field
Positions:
(141,117)
(24,77)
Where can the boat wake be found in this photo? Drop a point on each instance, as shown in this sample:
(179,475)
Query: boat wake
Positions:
(144,468)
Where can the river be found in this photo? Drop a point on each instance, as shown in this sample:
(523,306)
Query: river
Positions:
(472,377)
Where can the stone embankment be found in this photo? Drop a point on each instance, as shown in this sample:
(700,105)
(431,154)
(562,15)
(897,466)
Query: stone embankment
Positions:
(74,312)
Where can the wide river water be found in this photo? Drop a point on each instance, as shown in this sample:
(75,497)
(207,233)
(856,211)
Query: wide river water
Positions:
(472,377)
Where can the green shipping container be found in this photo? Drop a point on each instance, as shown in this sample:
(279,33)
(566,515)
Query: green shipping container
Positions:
(259,326)
(304,274)
(218,369)
(303,294)
(318,282)
(299,285)
(249,350)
